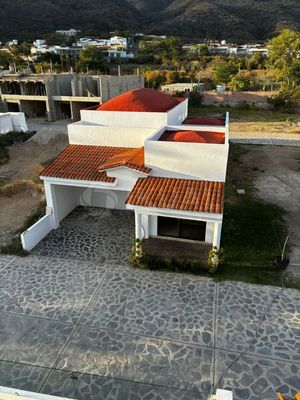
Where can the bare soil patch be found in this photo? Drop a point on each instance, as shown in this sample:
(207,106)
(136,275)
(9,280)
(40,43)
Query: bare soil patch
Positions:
(14,211)
(278,181)
(27,160)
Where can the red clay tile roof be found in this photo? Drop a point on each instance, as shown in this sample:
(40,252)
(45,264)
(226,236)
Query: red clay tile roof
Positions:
(81,162)
(193,137)
(133,159)
(205,121)
(141,100)
(178,194)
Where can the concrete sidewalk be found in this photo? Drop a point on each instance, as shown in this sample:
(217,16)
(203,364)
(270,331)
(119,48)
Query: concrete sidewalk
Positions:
(279,139)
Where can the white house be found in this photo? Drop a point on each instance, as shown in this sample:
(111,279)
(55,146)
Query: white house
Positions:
(68,32)
(140,152)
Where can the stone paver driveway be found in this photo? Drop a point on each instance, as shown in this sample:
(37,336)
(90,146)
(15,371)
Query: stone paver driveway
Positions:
(76,321)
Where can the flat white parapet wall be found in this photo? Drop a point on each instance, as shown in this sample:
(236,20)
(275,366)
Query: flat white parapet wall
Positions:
(221,395)
(116,136)
(203,161)
(137,119)
(5,123)
(12,122)
(33,235)
(178,114)
(19,121)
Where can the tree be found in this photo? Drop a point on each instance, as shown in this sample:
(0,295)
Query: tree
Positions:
(172,77)
(168,51)
(256,61)
(20,50)
(284,51)
(154,79)
(5,59)
(91,58)
(239,83)
(49,57)
(223,71)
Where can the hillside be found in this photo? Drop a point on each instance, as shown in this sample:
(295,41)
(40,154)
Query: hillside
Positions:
(239,19)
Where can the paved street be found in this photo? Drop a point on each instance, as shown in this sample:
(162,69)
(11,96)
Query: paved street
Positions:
(76,321)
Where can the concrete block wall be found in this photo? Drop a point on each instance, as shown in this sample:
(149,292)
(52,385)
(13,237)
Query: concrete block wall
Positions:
(111,86)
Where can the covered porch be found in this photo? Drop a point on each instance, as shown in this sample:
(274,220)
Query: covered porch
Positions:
(177,218)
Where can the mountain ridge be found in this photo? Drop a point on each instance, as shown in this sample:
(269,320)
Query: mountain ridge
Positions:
(215,19)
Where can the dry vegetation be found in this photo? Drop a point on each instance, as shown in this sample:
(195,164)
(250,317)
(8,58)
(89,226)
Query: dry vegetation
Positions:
(21,191)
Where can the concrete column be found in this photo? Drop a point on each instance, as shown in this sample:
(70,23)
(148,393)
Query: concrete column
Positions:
(51,204)
(217,234)
(145,225)
(138,226)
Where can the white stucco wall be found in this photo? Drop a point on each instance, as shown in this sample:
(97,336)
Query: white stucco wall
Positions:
(19,121)
(153,225)
(12,122)
(178,114)
(125,119)
(137,119)
(62,200)
(209,233)
(104,198)
(5,123)
(33,235)
(197,160)
(97,135)
(126,177)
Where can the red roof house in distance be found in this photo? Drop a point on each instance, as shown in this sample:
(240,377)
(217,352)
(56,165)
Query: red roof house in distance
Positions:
(139,152)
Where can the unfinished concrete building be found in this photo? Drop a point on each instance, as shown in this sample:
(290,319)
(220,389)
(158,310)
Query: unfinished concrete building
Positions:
(60,96)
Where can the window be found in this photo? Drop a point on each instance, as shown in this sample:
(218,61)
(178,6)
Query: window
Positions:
(181,228)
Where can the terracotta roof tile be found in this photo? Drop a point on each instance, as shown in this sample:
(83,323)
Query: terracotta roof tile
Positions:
(81,162)
(178,194)
(133,159)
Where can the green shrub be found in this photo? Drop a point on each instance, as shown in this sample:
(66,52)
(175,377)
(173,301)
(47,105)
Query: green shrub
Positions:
(286,99)
(195,98)
(153,263)
(239,83)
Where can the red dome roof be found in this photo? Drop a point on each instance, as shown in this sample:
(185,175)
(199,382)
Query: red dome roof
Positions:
(193,137)
(140,100)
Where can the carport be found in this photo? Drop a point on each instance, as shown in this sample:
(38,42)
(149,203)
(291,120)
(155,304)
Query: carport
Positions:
(73,180)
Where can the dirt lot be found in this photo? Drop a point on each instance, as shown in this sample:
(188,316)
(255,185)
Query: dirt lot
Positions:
(27,159)
(26,162)
(277,170)
(250,120)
